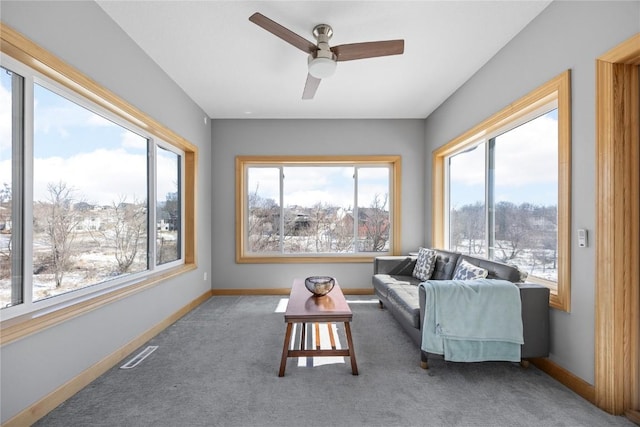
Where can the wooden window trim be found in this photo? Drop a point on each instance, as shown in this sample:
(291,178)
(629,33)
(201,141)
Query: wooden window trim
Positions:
(14,44)
(617,293)
(559,88)
(243,161)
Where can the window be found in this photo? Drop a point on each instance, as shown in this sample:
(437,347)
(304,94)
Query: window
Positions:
(168,206)
(92,192)
(316,209)
(501,190)
(11,112)
(89,207)
(508,211)
(467,225)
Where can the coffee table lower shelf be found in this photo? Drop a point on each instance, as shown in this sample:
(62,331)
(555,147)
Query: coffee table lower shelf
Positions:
(317,351)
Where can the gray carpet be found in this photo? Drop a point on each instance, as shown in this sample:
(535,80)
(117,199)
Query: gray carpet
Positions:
(218,366)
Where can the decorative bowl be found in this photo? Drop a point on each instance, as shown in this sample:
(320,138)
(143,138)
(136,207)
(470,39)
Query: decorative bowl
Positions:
(319,285)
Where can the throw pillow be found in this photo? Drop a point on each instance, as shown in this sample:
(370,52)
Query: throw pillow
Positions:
(467,271)
(425,264)
(522,273)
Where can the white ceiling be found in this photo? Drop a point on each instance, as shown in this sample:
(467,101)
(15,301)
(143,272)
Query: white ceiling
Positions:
(234,69)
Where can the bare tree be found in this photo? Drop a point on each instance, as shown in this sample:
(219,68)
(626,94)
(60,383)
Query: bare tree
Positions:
(318,228)
(513,229)
(468,228)
(168,243)
(342,238)
(374,223)
(5,204)
(61,223)
(546,233)
(128,232)
(5,229)
(264,223)
(172,209)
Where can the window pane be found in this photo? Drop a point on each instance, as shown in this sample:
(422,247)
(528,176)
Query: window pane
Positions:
(264,209)
(10,248)
(90,197)
(318,209)
(168,207)
(526,196)
(373,209)
(467,225)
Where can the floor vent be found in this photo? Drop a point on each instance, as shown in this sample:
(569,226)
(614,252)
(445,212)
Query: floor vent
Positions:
(137,359)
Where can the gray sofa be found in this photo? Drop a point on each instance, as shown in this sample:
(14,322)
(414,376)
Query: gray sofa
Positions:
(398,292)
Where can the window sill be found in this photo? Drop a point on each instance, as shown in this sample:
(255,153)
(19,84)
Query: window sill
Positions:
(21,326)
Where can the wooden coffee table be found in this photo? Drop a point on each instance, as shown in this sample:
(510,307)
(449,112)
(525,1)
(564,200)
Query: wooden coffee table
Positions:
(304,307)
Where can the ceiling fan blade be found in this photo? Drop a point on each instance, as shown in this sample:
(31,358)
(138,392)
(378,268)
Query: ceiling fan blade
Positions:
(348,52)
(310,87)
(282,32)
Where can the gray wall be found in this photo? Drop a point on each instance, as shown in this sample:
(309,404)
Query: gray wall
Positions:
(309,137)
(81,34)
(566,35)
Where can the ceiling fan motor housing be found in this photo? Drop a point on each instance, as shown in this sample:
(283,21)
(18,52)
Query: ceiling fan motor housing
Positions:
(322,33)
(322,63)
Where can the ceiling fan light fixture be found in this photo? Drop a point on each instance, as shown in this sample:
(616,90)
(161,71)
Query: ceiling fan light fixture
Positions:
(323,58)
(321,68)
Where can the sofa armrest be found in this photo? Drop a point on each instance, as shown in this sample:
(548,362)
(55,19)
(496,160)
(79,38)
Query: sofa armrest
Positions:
(535,319)
(394,264)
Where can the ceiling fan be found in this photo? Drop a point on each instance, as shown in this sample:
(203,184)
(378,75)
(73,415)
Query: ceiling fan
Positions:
(323,58)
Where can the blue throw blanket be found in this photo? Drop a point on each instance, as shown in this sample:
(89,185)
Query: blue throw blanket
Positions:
(472,320)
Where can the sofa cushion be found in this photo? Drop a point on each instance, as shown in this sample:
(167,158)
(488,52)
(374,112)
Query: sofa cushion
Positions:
(425,264)
(383,282)
(400,266)
(405,302)
(445,265)
(468,271)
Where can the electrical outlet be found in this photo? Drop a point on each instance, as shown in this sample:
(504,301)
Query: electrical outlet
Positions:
(205,276)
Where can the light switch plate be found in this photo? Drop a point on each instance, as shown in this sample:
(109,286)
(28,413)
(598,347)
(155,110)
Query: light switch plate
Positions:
(583,238)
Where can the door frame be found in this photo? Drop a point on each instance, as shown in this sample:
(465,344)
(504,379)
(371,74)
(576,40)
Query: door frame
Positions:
(617,290)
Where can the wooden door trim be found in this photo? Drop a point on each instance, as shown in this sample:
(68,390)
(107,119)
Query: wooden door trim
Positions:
(617,232)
